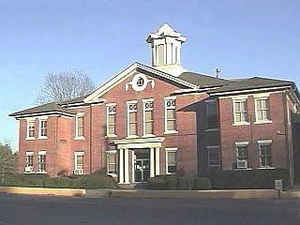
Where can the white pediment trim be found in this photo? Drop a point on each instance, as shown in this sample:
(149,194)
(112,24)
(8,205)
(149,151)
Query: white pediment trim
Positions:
(124,74)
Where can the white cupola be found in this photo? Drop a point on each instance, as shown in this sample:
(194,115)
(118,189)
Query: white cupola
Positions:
(166,49)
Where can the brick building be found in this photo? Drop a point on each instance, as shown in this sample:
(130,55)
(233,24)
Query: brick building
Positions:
(162,119)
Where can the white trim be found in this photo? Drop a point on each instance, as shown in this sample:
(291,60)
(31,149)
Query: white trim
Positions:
(167,150)
(264,141)
(28,121)
(78,115)
(52,113)
(128,112)
(43,152)
(152,172)
(240,101)
(29,153)
(121,163)
(42,119)
(166,131)
(248,90)
(157,161)
(126,166)
(257,121)
(145,101)
(242,143)
(132,166)
(108,105)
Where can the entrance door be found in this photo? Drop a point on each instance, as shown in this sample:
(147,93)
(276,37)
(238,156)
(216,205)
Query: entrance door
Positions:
(141,165)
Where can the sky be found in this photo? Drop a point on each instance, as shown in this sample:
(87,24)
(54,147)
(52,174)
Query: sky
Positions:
(101,37)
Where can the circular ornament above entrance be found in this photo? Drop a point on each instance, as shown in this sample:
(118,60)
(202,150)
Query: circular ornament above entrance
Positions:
(139,82)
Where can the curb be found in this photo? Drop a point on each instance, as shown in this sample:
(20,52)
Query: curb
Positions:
(44,191)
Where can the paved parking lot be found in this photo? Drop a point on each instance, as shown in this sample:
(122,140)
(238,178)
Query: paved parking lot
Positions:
(28,210)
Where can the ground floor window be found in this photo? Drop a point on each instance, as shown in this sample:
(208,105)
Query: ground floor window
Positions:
(213,153)
(42,162)
(241,155)
(29,162)
(264,152)
(171,160)
(79,163)
(111,162)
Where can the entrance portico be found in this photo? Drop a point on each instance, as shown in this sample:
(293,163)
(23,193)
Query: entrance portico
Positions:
(139,159)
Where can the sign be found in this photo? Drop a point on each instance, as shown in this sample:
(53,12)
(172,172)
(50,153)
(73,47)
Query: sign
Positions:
(278,185)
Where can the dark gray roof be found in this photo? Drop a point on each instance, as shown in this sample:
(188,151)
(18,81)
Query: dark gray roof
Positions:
(49,107)
(202,80)
(74,100)
(250,83)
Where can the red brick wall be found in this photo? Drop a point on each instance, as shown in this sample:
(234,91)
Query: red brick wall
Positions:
(253,132)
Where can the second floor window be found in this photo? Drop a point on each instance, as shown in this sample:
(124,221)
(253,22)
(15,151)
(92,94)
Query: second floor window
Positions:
(240,111)
(30,129)
(262,109)
(43,128)
(132,118)
(111,119)
(170,114)
(211,111)
(79,125)
(148,117)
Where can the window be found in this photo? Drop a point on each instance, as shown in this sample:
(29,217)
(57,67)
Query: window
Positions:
(211,111)
(240,111)
(79,125)
(213,156)
(111,160)
(29,162)
(171,160)
(264,152)
(111,119)
(262,109)
(30,129)
(148,117)
(42,162)
(170,114)
(160,55)
(43,128)
(241,155)
(79,163)
(132,118)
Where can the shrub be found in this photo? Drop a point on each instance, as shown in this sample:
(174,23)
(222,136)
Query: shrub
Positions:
(96,180)
(239,179)
(168,182)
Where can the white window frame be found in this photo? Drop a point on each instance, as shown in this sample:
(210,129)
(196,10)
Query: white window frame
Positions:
(116,164)
(144,116)
(44,154)
(28,122)
(213,147)
(78,115)
(240,100)
(167,150)
(264,142)
(128,112)
(107,121)
(241,144)
(256,99)
(76,163)
(29,153)
(166,115)
(42,119)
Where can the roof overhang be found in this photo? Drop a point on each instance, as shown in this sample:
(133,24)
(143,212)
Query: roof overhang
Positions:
(49,113)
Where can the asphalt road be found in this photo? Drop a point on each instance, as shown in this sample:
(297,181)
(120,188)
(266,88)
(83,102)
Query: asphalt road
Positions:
(27,210)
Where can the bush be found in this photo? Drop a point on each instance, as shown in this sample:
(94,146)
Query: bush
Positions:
(96,180)
(243,179)
(167,182)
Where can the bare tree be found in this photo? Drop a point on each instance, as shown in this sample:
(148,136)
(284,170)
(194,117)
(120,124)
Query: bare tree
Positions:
(59,87)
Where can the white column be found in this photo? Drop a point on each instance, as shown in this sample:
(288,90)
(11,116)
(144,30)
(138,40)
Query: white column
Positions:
(133,160)
(121,172)
(157,161)
(126,166)
(151,162)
